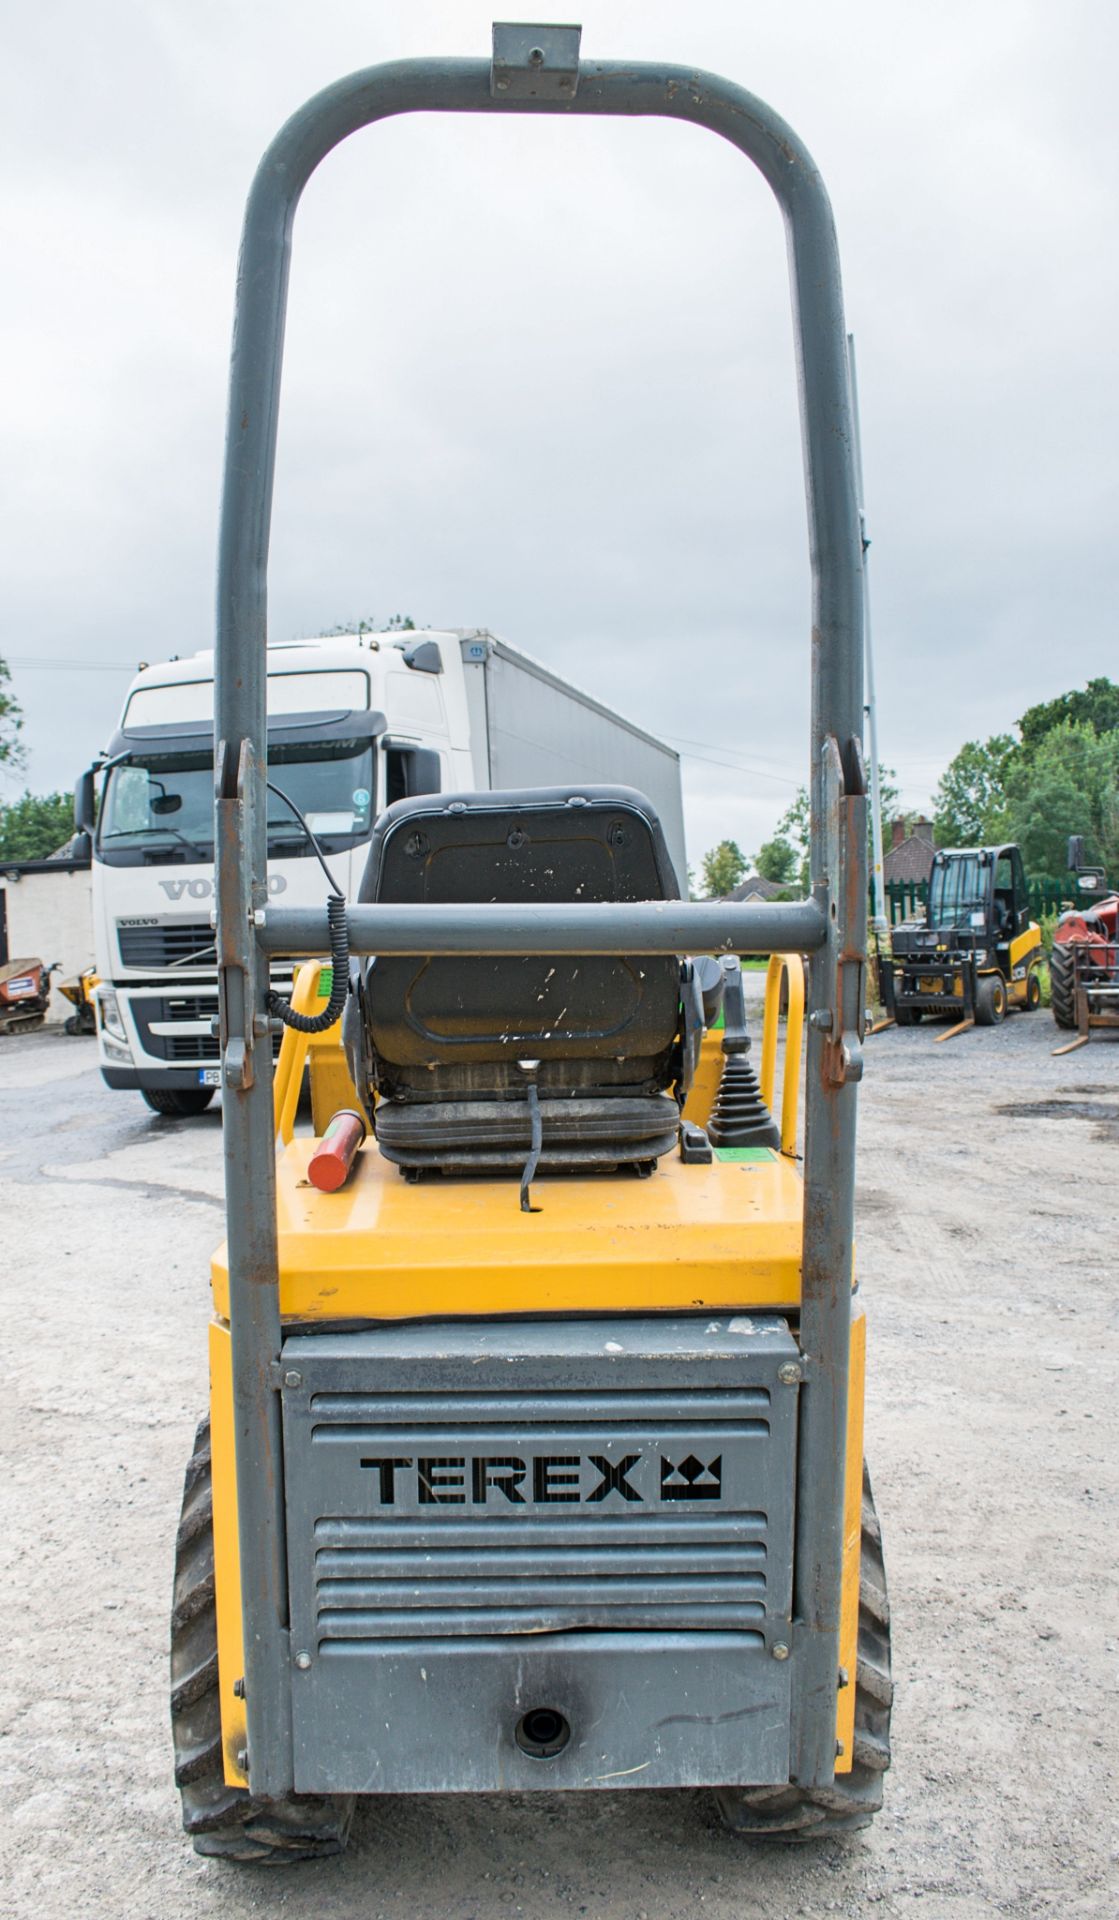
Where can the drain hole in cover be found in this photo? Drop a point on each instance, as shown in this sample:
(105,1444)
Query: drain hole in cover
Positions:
(542,1732)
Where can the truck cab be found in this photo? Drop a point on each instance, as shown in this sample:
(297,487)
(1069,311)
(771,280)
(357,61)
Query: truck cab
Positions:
(354,724)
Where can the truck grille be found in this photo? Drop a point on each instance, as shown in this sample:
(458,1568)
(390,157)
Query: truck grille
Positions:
(191,1011)
(148,949)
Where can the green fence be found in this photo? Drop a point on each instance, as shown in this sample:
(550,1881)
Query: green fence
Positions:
(906,899)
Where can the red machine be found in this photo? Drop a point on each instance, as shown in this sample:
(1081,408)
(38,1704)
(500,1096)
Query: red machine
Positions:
(1084,963)
(25,991)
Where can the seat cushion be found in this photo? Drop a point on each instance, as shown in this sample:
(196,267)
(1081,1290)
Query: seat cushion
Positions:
(464,1135)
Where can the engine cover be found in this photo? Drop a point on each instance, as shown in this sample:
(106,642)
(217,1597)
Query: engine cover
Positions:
(541,1554)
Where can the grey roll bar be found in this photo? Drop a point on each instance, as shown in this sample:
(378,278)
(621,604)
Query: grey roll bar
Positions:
(832,924)
(673,926)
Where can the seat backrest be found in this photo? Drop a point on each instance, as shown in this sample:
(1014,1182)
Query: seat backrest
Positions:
(445,1028)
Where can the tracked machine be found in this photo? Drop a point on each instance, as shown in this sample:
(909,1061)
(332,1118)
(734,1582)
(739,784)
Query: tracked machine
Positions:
(534,1457)
(25,992)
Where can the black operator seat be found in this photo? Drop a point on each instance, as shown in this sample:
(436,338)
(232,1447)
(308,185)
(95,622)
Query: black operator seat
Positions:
(452,1046)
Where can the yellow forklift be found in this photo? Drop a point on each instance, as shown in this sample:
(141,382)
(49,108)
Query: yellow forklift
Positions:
(534,1453)
(977,951)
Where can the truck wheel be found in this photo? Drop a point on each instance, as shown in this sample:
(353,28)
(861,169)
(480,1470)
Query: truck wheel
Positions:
(180,1103)
(907,1016)
(1062,993)
(225,1821)
(1033,990)
(795,1814)
(990,1000)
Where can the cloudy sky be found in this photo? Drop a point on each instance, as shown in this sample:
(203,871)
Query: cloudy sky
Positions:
(539,374)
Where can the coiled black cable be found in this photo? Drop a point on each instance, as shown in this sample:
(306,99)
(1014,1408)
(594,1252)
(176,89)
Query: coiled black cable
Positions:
(339,924)
(340,977)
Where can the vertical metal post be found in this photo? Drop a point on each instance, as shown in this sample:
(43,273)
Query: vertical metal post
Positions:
(838,847)
(878,872)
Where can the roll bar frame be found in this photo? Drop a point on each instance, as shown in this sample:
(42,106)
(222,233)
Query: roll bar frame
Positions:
(831,924)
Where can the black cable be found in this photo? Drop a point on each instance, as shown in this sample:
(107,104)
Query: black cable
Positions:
(338,920)
(290,803)
(536,1141)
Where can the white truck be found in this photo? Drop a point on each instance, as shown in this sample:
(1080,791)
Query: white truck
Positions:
(353,723)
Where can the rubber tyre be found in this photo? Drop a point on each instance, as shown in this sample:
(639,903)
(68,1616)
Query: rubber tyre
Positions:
(225,1821)
(181,1103)
(1033,990)
(990,1001)
(797,1814)
(1062,992)
(907,1016)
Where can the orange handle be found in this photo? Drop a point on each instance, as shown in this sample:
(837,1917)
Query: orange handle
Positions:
(330,1164)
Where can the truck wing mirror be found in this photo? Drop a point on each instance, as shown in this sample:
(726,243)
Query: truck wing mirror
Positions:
(84,802)
(411,770)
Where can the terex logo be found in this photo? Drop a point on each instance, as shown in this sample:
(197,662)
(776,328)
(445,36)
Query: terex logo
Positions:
(542,1479)
(204,889)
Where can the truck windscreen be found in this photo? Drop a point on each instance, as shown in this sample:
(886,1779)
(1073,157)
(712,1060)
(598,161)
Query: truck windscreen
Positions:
(161,810)
(958,892)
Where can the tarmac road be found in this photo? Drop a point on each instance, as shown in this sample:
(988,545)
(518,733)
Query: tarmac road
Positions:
(987,1250)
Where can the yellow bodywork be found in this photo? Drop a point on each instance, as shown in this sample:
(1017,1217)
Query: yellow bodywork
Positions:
(689,1237)
(1024,954)
(852,1542)
(321,1053)
(227,1559)
(722,1236)
(705,1081)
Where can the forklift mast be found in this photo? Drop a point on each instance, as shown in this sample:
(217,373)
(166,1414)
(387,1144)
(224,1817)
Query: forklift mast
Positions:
(537,70)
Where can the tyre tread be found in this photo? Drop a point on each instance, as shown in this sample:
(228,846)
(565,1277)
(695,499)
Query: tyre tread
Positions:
(1062,993)
(795,1815)
(225,1822)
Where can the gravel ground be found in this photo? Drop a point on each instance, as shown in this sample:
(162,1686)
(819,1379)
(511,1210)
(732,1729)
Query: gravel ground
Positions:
(989,1192)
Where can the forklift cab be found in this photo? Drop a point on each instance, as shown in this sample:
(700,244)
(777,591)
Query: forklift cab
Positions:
(979,894)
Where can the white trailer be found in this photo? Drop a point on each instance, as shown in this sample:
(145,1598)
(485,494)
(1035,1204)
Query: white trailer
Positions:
(353,723)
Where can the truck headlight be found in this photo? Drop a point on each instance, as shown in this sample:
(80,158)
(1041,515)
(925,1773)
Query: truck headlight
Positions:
(111,1023)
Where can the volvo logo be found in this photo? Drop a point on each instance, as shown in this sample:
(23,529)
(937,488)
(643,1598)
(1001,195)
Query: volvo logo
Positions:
(204,889)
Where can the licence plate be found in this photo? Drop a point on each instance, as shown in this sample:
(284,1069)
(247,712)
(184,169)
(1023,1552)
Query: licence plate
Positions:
(209,1076)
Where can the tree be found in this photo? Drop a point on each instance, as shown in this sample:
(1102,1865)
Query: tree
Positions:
(777,860)
(970,804)
(36,825)
(1068,783)
(1095,706)
(398,623)
(722,869)
(11,722)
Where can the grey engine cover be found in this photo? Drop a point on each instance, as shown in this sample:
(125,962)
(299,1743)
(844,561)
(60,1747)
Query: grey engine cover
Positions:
(593,1517)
